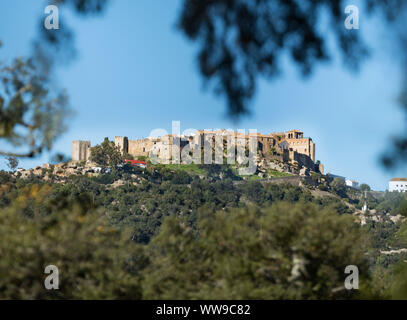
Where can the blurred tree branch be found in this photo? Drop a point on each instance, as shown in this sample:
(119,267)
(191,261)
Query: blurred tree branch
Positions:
(32,111)
(243,40)
(239,40)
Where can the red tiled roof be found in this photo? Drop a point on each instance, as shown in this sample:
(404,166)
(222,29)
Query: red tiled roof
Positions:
(135,161)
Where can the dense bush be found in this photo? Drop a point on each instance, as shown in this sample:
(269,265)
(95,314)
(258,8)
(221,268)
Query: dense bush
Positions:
(284,252)
(95,260)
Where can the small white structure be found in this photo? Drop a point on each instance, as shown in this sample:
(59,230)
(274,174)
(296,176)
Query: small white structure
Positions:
(398,184)
(352,183)
(365,208)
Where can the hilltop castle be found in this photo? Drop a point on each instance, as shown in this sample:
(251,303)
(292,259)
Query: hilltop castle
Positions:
(288,147)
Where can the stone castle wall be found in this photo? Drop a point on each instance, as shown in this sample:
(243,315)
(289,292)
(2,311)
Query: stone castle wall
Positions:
(122,143)
(141,147)
(290,146)
(80,150)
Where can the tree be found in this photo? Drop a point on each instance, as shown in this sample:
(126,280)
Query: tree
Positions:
(128,156)
(12,163)
(241,41)
(283,252)
(398,288)
(339,186)
(364,187)
(181,177)
(106,154)
(59,157)
(95,260)
(32,113)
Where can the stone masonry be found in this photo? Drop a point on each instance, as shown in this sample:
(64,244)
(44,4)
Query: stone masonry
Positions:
(80,150)
(290,146)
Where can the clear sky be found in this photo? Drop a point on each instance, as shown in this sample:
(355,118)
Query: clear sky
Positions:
(135,72)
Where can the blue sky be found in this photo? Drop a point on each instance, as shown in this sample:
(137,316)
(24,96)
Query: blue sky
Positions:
(135,72)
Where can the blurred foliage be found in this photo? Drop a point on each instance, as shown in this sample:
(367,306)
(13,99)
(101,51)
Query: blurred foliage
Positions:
(12,163)
(191,237)
(364,187)
(241,41)
(339,186)
(95,260)
(32,112)
(399,284)
(283,252)
(59,157)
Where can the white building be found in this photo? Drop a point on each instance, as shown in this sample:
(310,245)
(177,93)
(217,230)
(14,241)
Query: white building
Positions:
(398,184)
(352,183)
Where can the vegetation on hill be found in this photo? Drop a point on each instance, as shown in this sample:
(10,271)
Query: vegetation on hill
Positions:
(282,252)
(106,154)
(189,232)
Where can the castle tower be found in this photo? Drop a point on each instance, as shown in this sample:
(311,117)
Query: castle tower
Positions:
(312,150)
(80,150)
(122,143)
(296,141)
(294,134)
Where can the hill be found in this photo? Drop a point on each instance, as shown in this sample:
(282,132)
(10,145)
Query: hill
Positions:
(161,200)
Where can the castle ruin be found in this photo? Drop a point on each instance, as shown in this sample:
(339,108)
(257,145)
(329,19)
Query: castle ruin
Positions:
(288,147)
